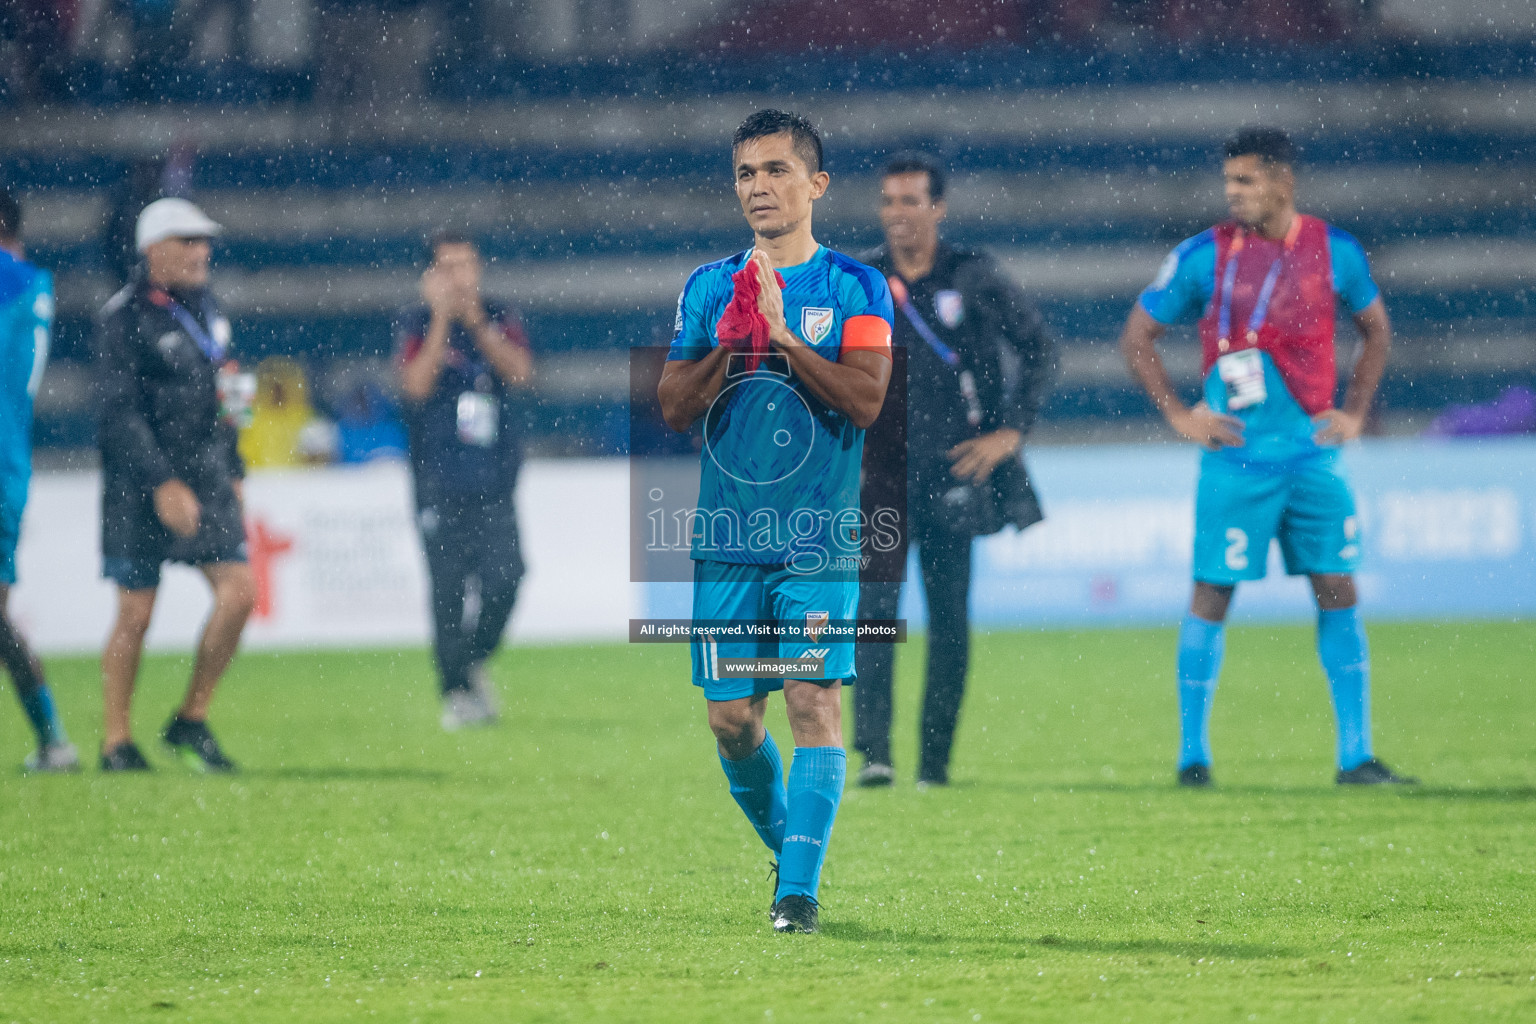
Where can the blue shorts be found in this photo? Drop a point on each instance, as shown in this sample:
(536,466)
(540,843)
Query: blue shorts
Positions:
(730,592)
(1307,505)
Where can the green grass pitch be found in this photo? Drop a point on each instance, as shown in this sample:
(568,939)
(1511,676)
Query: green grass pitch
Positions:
(583,860)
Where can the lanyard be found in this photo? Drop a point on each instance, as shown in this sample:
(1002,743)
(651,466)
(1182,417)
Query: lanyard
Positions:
(1266,292)
(206,342)
(943,351)
(950,356)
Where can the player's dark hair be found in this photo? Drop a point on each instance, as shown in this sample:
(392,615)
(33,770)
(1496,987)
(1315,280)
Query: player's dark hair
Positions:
(448,236)
(10,216)
(918,163)
(806,139)
(1270,145)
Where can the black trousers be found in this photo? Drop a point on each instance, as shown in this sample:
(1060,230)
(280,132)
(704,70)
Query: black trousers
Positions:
(476,564)
(945,562)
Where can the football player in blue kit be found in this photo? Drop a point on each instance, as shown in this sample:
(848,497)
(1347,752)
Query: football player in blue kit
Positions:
(778,526)
(26,323)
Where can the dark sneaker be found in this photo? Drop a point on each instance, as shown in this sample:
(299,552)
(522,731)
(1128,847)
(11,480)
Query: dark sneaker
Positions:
(1374,773)
(1196,776)
(876,774)
(125,757)
(795,913)
(932,777)
(195,746)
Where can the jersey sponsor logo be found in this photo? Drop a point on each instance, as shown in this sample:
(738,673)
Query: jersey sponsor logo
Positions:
(815,324)
(817,652)
(950,307)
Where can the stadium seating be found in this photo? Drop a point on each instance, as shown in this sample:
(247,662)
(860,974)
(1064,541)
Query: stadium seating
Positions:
(595,187)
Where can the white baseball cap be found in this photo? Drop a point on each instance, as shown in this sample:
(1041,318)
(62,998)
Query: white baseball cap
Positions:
(172,218)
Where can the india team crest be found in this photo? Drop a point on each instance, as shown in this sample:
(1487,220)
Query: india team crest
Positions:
(815,622)
(950,307)
(815,324)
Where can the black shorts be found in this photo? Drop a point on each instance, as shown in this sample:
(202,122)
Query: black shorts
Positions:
(135,544)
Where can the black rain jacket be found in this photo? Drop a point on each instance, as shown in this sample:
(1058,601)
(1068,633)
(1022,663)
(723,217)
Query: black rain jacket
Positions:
(997,334)
(160,418)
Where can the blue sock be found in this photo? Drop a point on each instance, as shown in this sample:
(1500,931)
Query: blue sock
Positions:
(757,784)
(1201,645)
(1342,649)
(37,702)
(815,789)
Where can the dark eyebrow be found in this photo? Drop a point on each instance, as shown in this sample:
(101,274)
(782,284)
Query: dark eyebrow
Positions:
(767,165)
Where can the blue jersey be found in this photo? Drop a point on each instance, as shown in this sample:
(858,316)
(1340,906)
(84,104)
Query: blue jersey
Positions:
(1295,343)
(1187,279)
(779,478)
(26,323)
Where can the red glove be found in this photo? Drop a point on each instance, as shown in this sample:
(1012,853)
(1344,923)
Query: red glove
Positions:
(742,327)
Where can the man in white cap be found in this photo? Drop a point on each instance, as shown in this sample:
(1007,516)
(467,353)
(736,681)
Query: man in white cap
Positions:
(170,400)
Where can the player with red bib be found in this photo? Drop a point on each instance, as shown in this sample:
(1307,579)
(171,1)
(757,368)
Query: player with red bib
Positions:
(1265,287)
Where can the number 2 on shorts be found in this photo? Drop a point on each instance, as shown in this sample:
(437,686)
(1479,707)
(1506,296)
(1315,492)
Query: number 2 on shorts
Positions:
(1237,549)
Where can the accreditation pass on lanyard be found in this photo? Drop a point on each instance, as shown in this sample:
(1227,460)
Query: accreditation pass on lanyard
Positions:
(478,419)
(1243,372)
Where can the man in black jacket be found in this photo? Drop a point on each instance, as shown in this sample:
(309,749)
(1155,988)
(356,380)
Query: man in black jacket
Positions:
(978,361)
(170,399)
(462,358)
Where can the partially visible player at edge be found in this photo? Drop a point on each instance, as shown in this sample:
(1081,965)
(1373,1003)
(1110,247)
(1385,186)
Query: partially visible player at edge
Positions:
(830,325)
(26,323)
(1264,286)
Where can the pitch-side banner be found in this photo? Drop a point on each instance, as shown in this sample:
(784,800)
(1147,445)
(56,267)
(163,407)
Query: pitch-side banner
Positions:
(1448,528)
(337,560)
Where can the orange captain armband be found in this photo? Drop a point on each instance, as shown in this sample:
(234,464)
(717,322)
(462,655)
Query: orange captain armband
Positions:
(868,332)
